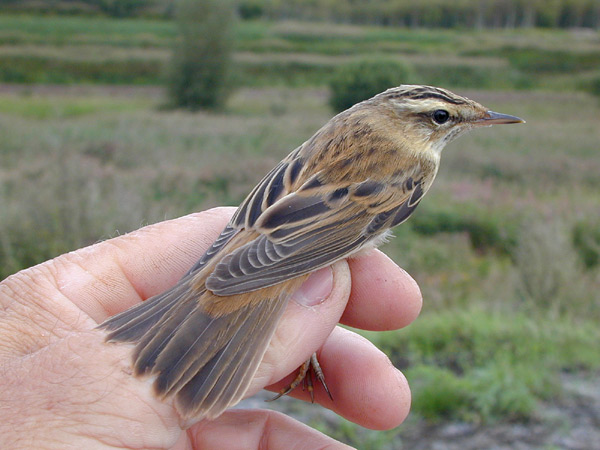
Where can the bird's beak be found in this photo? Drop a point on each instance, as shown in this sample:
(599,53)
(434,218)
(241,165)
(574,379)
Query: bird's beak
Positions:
(494,118)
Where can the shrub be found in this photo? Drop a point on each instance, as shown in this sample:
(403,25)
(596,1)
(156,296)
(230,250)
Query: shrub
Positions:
(199,75)
(546,262)
(359,81)
(438,392)
(594,87)
(249,10)
(586,239)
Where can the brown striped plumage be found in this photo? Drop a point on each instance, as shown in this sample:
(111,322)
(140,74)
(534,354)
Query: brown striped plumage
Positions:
(340,192)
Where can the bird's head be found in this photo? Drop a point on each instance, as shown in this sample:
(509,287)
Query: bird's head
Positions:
(433,117)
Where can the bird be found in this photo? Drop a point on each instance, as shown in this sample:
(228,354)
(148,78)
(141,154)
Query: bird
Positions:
(340,192)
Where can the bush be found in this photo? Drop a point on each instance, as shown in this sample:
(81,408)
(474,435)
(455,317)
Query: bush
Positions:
(546,262)
(586,240)
(249,10)
(439,393)
(199,76)
(594,87)
(359,81)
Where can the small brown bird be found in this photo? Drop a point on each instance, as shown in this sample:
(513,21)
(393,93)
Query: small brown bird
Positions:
(340,192)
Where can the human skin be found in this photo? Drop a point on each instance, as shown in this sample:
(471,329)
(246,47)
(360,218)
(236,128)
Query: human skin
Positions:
(63,386)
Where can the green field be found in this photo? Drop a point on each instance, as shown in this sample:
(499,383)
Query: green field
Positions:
(506,247)
(99,50)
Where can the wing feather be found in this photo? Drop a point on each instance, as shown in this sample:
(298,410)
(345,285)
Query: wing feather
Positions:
(304,223)
(309,234)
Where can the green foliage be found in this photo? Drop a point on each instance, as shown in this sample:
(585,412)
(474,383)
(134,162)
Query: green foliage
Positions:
(586,239)
(539,61)
(121,8)
(251,9)
(110,8)
(468,76)
(425,13)
(359,437)
(200,69)
(46,108)
(439,393)
(359,81)
(593,87)
(96,165)
(486,232)
(509,392)
(282,73)
(478,366)
(39,69)
(67,50)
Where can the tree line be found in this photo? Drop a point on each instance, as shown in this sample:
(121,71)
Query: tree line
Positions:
(423,13)
(440,13)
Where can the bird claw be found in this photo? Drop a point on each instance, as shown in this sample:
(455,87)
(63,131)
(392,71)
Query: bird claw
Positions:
(305,376)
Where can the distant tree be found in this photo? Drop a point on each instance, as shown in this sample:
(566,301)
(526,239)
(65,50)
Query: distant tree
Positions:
(200,67)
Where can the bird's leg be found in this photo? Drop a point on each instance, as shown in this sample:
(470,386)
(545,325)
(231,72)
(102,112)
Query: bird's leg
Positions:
(305,373)
(316,367)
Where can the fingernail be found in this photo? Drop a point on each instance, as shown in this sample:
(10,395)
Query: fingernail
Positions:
(316,288)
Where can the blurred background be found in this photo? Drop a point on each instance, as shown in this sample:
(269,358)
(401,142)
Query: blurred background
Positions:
(117,114)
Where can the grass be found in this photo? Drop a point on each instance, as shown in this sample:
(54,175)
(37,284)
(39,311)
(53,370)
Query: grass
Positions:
(505,246)
(480,366)
(53,107)
(495,186)
(64,30)
(100,50)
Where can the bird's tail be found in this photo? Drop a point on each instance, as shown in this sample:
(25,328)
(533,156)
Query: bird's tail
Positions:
(205,362)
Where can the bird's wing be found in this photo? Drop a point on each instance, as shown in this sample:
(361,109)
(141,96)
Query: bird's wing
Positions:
(310,228)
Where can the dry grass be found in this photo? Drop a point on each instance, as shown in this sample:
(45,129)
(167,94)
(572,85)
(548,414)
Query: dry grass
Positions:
(102,162)
(67,180)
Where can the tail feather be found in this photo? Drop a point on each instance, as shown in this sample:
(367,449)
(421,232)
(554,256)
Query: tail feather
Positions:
(152,344)
(232,391)
(192,347)
(133,323)
(225,378)
(206,363)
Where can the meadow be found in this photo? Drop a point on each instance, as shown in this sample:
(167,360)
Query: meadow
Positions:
(69,50)
(506,246)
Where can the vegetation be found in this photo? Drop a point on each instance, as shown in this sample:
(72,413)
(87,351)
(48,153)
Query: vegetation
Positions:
(356,82)
(199,71)
(586,239)
(506,246)
(474,365)
(425,13)
(72,50)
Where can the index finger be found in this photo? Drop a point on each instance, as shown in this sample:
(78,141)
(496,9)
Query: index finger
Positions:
(112,276)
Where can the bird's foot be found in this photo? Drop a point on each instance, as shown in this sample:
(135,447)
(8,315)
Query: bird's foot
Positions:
(305,375)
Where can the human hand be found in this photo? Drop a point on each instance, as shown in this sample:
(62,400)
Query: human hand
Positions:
(64,387)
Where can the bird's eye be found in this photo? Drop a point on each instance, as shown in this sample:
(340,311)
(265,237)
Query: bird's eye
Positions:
(441,116)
